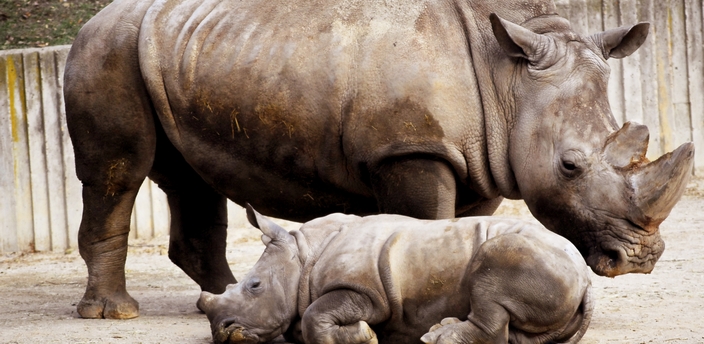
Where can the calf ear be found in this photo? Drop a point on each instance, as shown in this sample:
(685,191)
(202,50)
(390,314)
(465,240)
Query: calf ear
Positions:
(270,230)
(622,41)
(517,41)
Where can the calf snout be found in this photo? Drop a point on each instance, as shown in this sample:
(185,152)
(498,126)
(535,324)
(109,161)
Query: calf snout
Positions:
(227,331)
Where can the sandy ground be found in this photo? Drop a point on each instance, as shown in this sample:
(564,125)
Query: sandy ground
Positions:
(39,291)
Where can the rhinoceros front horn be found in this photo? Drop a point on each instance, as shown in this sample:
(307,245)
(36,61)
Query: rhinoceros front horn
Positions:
(658,186)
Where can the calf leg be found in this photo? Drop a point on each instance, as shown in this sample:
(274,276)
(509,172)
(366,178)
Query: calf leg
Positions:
(417,187)
(339,317)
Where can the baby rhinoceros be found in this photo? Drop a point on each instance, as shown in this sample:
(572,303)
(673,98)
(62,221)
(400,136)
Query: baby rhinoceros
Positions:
(391,279)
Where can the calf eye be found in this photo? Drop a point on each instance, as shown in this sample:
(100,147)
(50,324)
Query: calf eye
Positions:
(569,165)
(254,283)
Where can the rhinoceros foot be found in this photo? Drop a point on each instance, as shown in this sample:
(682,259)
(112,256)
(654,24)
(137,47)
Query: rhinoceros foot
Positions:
(113,307)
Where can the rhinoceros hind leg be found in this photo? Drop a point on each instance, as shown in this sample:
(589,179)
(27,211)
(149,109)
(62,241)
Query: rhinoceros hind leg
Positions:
(111,123)
(415,186)
(112,129)
(198,230)
(110,186)
(102,242)
(111,179)
(118,306)
(339,317)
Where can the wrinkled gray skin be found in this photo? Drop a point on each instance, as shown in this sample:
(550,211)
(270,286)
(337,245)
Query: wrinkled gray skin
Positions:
(432,109)
(347,279)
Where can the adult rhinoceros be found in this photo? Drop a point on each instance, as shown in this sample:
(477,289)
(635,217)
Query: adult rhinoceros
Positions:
(432,109)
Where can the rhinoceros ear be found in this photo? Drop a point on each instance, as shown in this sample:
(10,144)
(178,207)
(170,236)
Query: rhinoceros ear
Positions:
(270,230)
(622,41)
(517,41)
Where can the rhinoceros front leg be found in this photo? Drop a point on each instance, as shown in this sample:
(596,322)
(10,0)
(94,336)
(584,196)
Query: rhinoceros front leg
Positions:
(421,188)
(339,317)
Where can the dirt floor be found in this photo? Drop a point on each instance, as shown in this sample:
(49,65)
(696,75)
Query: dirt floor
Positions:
(40,291)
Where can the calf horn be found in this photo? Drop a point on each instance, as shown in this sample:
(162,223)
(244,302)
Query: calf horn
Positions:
(659,185)
(205,301)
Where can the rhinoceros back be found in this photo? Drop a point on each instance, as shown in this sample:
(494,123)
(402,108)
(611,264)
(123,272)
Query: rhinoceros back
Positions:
(322,88)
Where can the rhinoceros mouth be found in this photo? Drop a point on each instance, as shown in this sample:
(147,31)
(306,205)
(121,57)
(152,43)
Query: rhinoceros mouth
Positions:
(622,247)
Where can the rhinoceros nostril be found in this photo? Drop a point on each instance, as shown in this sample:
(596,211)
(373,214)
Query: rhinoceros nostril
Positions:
(614,257)
(607,262)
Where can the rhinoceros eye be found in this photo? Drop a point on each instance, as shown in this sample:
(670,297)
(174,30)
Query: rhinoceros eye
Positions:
(254,284)
(571,164)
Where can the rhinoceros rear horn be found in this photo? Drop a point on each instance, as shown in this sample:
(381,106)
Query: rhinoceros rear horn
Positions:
(659,185)
(271,230)
(627,146)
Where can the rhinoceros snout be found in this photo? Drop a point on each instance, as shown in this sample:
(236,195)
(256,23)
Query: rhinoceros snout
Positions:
(611,262)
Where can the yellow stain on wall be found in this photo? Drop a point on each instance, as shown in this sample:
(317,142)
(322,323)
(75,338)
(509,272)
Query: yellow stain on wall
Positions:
(15,84)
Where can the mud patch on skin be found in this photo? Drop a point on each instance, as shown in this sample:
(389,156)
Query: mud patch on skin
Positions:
(425,20)
(279,113)
(116,170)
(275,116)
(405,121)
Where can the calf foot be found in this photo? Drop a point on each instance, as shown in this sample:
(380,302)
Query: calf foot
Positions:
(359,333)
(116,306)
(444,332)
(453,330)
